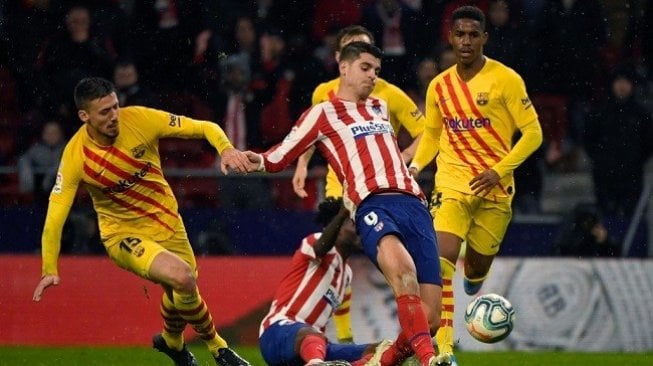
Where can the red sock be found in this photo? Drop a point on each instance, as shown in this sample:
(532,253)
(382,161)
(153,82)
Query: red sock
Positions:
(399,351)
(415,327)
(313,347)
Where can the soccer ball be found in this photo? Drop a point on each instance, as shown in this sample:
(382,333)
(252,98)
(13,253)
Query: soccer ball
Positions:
(489,318)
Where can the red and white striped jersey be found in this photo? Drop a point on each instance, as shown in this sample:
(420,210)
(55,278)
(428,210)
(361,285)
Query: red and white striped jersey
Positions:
(358,142)
(312,289)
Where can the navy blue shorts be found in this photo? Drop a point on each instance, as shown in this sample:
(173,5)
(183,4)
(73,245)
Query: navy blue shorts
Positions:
(277,344)
(408,218)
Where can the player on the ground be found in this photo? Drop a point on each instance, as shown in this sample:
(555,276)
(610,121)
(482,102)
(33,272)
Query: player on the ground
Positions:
(402,112)
(115,155)
(473,109)
(352,130)
(292,333)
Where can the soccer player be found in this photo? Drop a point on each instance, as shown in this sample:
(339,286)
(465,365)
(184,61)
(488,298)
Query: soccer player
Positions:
(352,130)
(473,109)
(292,333)
(115,154)
(402,111)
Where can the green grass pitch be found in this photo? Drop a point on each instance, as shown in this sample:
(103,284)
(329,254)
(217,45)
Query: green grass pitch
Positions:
(141,356)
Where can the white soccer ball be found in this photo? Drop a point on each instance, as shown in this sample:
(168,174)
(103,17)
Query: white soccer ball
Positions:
(489,318)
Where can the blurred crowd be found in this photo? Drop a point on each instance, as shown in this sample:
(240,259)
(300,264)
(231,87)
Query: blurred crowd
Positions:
(251,66)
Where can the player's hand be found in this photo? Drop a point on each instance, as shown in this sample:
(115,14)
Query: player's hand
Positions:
(233,159)
(46,281)
(483,183)
(299,180)
(413,171)
(253,161)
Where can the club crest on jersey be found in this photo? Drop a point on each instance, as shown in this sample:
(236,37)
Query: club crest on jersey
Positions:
(138,151)
(482,98)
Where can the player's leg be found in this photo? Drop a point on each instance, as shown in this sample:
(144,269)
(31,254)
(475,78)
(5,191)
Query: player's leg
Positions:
(379,227)
(138,255)
(451,213)
(286,342)
(166,269)
(491,221)
(399,270)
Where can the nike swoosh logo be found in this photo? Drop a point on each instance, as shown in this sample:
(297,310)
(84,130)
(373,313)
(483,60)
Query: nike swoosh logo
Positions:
(100,172)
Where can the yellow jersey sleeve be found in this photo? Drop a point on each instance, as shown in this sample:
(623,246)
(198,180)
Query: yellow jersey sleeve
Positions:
(402,110)
(523,113)
(172,125)
(62,197)
(430,143)
(323,92)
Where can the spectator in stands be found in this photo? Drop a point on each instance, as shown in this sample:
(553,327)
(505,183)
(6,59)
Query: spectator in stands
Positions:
(272,80)
(67,57)
(504,37)
(239,120)
(398,32)
(583,234)
(160,32)
(37,168)
(427,68)
(27,25)
(446,58)
(129,88)
(567,38)
(618,141)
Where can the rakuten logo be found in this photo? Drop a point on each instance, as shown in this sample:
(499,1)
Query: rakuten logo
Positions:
(466,123)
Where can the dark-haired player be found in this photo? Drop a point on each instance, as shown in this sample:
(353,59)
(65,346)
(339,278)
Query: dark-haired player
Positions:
(115,154)
(473,109)
(353,132)
(292,333)
(402,112)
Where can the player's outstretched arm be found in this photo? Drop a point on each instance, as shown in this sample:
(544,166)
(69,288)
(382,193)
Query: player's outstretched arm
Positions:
(301,172)
(46,281)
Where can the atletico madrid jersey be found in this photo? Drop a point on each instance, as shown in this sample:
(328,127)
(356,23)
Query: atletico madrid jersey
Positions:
(312,289)
(358,142)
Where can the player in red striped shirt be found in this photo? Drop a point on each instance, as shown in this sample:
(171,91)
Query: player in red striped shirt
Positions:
(292,333)
(353,132)
(115,154)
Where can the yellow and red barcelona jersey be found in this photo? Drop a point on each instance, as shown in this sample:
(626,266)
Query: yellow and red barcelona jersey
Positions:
(124,180)
(472,125)
(402,111)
